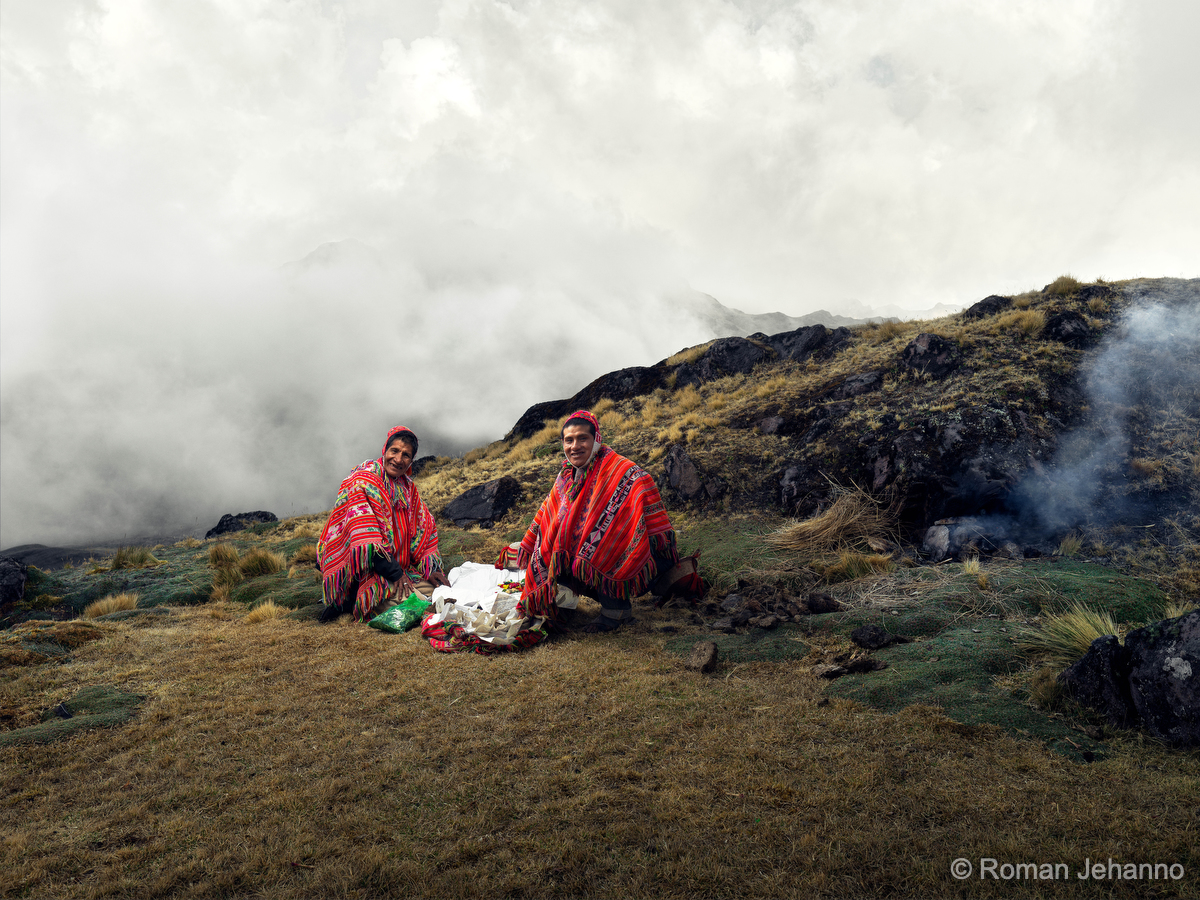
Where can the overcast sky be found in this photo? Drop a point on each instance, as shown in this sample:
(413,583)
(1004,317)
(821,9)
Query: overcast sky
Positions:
(516,186)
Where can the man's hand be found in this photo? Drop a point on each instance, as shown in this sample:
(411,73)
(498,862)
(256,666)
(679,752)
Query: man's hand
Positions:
(439,579)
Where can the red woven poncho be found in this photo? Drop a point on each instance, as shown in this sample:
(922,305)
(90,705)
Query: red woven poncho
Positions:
(375,514)
(600,531)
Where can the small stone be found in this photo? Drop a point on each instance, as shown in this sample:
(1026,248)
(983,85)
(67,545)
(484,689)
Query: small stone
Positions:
(829,671)
(704,657)
(822,603)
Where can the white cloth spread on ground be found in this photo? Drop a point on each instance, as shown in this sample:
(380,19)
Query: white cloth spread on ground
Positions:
(474,600)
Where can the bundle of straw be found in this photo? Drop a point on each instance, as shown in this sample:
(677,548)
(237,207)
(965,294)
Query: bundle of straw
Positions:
(853,516)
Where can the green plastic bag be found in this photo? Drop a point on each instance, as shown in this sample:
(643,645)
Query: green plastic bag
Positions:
(403,616)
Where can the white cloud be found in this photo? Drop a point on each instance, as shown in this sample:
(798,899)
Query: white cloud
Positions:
(532,176)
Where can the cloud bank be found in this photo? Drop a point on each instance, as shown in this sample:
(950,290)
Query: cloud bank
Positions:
(511,190)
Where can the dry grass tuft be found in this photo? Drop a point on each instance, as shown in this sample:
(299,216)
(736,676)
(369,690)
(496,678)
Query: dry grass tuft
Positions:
(1065,637)
(688,399)
(1070,545)
(690,355)
(549,434)
(306,555)
(225,578)
(1098,306)
(133,558)
(1063,286)
(652,411)
(222,555)
(852,565)
(110,604)
(886,331)
(1045,690)
(1023,322)
(258,562)
(266,611)
(1150,469)
(853,516)
(189,542)
(1176,608)
(603,405)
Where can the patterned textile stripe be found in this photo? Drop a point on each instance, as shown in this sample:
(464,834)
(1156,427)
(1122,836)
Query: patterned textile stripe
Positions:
(604,534)
(375,514)
(453,638)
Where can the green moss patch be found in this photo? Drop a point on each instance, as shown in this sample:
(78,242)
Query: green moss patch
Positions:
(292,593)
(101,706)
(956,671)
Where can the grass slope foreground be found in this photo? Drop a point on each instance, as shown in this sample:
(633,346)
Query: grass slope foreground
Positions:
(225,745)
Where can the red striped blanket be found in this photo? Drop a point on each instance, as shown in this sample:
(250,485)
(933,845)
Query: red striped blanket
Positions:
(373,513)
(601,532)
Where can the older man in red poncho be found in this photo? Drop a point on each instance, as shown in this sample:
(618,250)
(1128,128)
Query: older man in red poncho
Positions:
(380,542)
(602,531)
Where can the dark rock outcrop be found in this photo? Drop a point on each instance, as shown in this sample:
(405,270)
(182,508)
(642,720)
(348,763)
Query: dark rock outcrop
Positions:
(931,355)
(620,385)
(1068,327)
(1152,683)
(988,306)
(485,503)
(803,343)
(682,479)
(1164,678)
(728,356)
(231,522)
(861,383)
(12,580)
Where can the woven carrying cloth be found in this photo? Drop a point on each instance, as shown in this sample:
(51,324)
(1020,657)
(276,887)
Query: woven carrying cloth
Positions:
(601,529)
(375,514)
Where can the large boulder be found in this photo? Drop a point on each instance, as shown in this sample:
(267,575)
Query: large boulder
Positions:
(12,580)
(1068,327)
(728,356)
(483,504)
(1152,683)
(684,480)
(239,521)
(931,355)
(988,306)
(802,343)
(1100,681)
(1164,678)
(620,385)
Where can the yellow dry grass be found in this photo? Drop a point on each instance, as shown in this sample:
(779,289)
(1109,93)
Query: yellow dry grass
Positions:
(1070,545)
(853,516)
(1064,638)
(258,561)
(265,612)
(688,398)
(110,604)
(1063,286)
(133,558)
(417,774)
(690,355)
(1023,322)
(305,556)
(223,555)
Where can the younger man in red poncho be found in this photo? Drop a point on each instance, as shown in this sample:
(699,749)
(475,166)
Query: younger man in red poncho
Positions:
(602,531)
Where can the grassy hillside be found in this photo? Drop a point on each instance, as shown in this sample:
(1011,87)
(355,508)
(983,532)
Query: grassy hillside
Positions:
(210,739)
